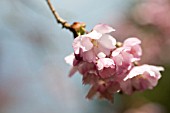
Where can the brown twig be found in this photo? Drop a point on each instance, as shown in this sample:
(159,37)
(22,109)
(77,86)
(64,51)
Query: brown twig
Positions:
(60,20)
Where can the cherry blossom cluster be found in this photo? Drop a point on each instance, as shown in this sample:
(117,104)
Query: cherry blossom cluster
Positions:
(109,66)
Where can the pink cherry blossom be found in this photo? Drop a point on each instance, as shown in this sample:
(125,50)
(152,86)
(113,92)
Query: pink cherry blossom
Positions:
(110,69)
(123,62)
(106,67)
(105,63)
(141,78)
(105,89)
(134,48)
(89,45)
(152,70)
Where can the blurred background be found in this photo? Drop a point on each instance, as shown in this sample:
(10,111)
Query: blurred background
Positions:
(33,73)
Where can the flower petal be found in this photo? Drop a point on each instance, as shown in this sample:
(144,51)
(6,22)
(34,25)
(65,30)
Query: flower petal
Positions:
(103,28)
(140,70)
(100,48)
(107,41)
(72,71)
(77,44)
(131,42)
(105,62)
(89,56)
(107,72)
(69,59)
(86,44)
(93,35)
(126,87)
(117,51)
(101,55)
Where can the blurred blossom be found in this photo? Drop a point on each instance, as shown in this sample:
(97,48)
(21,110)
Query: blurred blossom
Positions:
(153,12)
(149,20)
(147,108)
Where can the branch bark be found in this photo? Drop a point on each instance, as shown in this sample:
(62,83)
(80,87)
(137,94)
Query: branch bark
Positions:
(60,20)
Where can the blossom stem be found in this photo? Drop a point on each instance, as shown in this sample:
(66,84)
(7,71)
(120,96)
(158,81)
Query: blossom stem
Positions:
(60,20)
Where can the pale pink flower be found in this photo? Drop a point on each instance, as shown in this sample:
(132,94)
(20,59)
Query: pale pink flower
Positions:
(105,90)
(123,62)
(141,78)
(134,48)
(109,69)
(91,44)
(86,67)
(106,67)
(105,63)
(153,71)
(70,59)
(125,56)
(79,65)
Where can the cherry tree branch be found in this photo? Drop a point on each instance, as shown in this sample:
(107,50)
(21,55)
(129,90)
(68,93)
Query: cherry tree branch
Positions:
(61,21)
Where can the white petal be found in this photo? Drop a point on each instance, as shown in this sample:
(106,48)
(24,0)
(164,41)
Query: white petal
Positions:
(99,65)
(152,70)
(158,68)
(117,51)
(107,41)
(135,71)
(93,35)
(76,45)
(131,42)
(69,59)
(105,62)
(86,44)
(100,48)
(103,28)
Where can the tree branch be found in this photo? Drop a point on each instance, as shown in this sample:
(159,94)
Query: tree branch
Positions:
(60,20)
(57,17)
